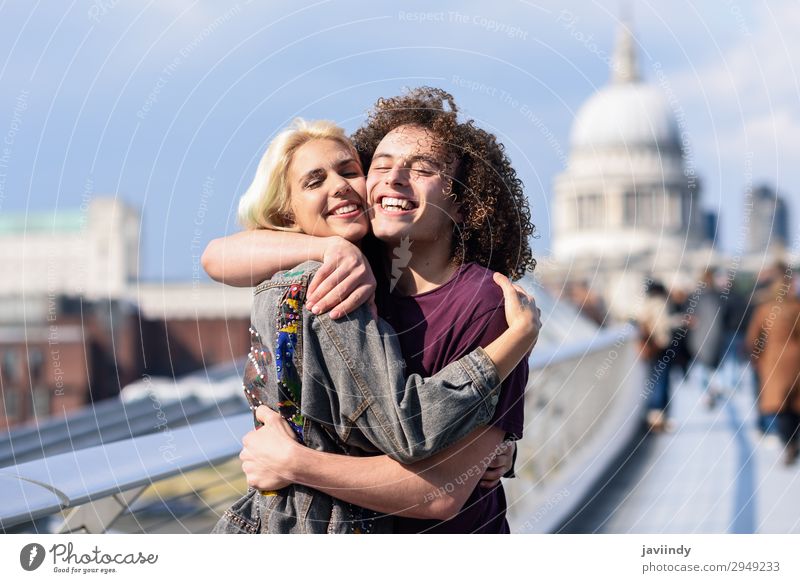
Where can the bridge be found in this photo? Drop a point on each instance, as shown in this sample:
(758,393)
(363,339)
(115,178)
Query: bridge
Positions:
(163,458)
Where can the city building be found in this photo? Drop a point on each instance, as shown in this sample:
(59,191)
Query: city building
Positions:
(77,324)
(92,251)
(626,190)
(626,209)
(768,225)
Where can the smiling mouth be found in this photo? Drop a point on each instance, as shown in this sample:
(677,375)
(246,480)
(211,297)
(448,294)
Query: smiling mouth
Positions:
(345,210)
(390,203)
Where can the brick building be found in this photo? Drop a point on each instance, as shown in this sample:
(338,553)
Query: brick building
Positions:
(76,324)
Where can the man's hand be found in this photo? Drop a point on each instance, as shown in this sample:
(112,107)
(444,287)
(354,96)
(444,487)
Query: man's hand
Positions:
(500,465)
(343,282)
(267,452)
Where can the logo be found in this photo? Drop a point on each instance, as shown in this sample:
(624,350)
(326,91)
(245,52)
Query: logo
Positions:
(31,556)
(402,256)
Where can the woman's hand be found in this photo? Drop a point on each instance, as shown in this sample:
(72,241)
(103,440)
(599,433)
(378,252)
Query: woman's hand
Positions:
(499,466)
(522,314)
(524,321)
(268,452)
(343,282)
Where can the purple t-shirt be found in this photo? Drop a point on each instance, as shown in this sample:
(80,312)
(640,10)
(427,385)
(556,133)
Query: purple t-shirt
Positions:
(436,328)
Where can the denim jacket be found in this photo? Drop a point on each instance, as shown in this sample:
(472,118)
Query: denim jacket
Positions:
(352,398)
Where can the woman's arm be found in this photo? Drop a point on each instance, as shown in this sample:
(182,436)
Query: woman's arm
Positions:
(354,376)
(435,488)
(249,257)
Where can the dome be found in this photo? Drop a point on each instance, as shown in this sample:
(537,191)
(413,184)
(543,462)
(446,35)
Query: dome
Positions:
(627,112)
(628,115)
(625,194)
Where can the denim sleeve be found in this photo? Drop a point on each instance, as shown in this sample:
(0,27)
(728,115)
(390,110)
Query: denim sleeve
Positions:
(409,419)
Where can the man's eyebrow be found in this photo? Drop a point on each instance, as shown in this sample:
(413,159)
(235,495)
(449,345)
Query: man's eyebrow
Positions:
(411,159)
(424,158)
(381,155)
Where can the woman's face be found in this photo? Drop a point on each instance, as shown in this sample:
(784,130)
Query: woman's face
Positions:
(328,191)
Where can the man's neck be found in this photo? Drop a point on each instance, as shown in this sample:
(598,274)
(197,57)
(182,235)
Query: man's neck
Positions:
(427,267)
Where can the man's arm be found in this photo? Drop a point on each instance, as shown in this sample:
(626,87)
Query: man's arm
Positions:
(437,487)
(434,488)
(502,466)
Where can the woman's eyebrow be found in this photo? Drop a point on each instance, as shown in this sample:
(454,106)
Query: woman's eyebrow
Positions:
(345,162)
(313,174)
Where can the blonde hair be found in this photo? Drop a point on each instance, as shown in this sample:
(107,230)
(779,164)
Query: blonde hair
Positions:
(265,204)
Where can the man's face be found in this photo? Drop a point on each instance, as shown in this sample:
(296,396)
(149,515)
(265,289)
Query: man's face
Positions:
(408,188)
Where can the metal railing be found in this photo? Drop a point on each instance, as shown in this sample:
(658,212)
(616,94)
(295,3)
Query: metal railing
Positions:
(99,483)
(582,408)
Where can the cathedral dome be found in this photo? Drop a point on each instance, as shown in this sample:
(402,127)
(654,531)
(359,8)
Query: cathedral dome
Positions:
(627,112)
(625,191)
(630,114)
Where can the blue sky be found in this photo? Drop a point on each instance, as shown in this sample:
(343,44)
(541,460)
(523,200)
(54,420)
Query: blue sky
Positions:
(170,104)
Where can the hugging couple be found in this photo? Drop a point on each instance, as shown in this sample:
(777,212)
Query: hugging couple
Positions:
(389,349)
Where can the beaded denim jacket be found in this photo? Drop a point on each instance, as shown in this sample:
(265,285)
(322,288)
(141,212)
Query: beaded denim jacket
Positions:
(341,386)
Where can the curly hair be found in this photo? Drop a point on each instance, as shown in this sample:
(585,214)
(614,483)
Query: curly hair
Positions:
(496,217)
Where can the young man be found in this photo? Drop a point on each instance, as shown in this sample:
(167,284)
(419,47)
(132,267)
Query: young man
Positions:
(447,206)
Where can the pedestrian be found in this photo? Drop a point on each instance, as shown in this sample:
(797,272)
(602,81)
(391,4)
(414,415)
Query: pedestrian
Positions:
(655,334)
(705,340)
(774,341)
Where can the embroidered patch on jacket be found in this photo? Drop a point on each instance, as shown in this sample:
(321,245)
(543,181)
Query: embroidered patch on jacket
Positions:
(289,320)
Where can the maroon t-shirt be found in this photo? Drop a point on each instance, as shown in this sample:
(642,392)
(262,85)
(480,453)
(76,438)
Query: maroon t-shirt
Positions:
(436,328)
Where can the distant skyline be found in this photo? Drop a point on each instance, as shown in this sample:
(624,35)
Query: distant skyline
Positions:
(170,104)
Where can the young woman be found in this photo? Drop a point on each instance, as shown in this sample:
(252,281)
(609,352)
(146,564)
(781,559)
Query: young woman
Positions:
(340,383)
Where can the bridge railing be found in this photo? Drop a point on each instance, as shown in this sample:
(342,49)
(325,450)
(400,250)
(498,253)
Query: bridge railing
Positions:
(99,483)
(582,406)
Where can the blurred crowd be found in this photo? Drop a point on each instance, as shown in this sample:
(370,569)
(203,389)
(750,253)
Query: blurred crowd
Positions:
(751,325)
